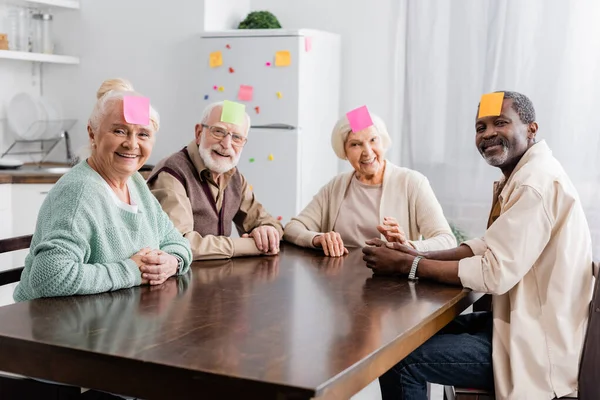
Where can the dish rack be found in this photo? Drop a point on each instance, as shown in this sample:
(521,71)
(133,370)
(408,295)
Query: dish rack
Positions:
(48,133)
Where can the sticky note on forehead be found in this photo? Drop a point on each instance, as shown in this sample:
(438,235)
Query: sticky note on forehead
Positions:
(233,112)
(136,110)
(491,104)
(359,119)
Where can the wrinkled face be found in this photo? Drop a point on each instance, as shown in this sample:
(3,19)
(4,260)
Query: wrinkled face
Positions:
(121,148)
(219,154)
(502,139)
(365,151)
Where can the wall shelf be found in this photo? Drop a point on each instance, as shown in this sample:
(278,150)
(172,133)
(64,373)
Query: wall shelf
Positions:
(38,57)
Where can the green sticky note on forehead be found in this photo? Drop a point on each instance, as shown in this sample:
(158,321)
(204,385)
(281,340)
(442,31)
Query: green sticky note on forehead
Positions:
(233,112)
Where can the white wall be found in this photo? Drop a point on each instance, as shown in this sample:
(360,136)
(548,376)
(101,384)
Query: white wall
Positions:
(367,46)
(150,42)
(224,14)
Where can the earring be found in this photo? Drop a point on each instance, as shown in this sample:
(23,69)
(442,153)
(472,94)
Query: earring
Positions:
(93,144)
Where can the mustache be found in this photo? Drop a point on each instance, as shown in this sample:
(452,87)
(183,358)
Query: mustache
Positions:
(492,142)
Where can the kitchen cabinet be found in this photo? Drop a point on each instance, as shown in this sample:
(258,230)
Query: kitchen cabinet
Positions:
(19,208)
(27,200)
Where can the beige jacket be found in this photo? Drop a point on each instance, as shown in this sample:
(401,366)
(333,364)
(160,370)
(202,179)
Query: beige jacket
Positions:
(536,260)
(174,200)
(406,196)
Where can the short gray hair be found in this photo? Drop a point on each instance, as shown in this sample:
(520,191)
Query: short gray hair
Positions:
(111,90)
(342,129)
(522,106)
(209,108)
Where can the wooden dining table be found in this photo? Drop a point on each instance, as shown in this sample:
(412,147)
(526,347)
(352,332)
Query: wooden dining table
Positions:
(294,326)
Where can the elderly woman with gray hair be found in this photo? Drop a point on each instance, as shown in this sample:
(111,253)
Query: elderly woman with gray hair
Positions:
(100,229)
(377,199)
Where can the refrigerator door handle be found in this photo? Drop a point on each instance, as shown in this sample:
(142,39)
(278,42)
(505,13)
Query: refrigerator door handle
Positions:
(273,126)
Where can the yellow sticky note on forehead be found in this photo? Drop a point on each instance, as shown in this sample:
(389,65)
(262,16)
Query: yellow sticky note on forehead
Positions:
(491,104)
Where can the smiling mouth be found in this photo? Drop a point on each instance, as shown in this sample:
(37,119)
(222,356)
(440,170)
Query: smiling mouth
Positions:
(125,155)
(493,147)
(368,162)
(221,155)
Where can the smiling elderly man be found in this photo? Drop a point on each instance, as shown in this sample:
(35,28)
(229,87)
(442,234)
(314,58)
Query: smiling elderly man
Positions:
(535,259)
(202,191)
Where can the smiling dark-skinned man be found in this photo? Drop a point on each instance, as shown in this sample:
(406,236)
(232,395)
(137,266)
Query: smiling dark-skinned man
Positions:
(534,259)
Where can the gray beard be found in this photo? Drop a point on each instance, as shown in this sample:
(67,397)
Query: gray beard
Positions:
(499,159)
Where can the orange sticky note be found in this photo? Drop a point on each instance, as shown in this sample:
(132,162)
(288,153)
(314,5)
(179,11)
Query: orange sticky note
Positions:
(283,58)
(491,104)
(215,59)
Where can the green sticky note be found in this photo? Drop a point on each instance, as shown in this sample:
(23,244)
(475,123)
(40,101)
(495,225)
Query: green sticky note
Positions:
(233,112)
(251,160)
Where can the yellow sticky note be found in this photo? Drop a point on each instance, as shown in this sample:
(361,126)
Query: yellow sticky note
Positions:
(221,88)
(215,59)
(283,58)
(279,95)
(491,104)
(250,187)
(271,157)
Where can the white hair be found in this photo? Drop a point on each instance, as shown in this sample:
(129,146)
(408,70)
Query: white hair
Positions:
(109,91)
(209,108)
(342,129)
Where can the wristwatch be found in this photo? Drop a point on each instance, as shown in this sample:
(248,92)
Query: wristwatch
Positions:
(412,275)
(179,263)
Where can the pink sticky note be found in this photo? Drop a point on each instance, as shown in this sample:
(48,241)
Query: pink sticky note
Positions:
(308,43)
(245,93)
(136,110)
(359,119)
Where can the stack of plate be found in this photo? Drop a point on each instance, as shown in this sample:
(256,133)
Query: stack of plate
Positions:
(33,117)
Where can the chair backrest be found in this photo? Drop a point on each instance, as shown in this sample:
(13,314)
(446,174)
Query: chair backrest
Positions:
(590,359)
(8,245)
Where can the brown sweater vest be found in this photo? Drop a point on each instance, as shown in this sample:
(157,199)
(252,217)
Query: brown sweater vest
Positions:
(207,220)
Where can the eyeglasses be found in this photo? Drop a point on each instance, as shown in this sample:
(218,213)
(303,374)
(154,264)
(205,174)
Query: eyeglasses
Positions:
(220,133)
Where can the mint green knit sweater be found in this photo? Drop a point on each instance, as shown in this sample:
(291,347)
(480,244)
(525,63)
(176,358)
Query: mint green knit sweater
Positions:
(83,240)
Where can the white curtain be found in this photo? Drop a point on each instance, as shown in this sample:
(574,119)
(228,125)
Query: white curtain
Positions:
(448,53)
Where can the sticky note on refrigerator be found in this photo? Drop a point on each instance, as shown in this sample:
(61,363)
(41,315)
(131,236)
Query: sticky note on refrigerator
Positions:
(491,104)
(245,93)
(136,110)
(271,158)
(359,119)
(308,43)
(279,95)
(233,112)
(283,58)
(215,59)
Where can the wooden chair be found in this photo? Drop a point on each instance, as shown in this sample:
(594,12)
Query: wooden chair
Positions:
(20,387)
(6,246)
(590,359)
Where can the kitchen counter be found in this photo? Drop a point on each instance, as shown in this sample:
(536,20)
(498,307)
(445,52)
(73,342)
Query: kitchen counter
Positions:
(45,173)
(34,173)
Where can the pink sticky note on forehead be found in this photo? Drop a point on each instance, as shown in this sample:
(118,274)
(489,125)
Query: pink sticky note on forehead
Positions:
(359,119)
(136,110)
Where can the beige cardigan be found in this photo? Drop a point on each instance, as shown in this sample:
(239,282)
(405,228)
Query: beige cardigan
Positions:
(407,196)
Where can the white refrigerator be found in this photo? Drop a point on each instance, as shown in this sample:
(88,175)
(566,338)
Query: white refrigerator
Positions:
(289,81)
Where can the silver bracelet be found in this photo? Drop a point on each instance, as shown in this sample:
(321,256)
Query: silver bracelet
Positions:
(412,275)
